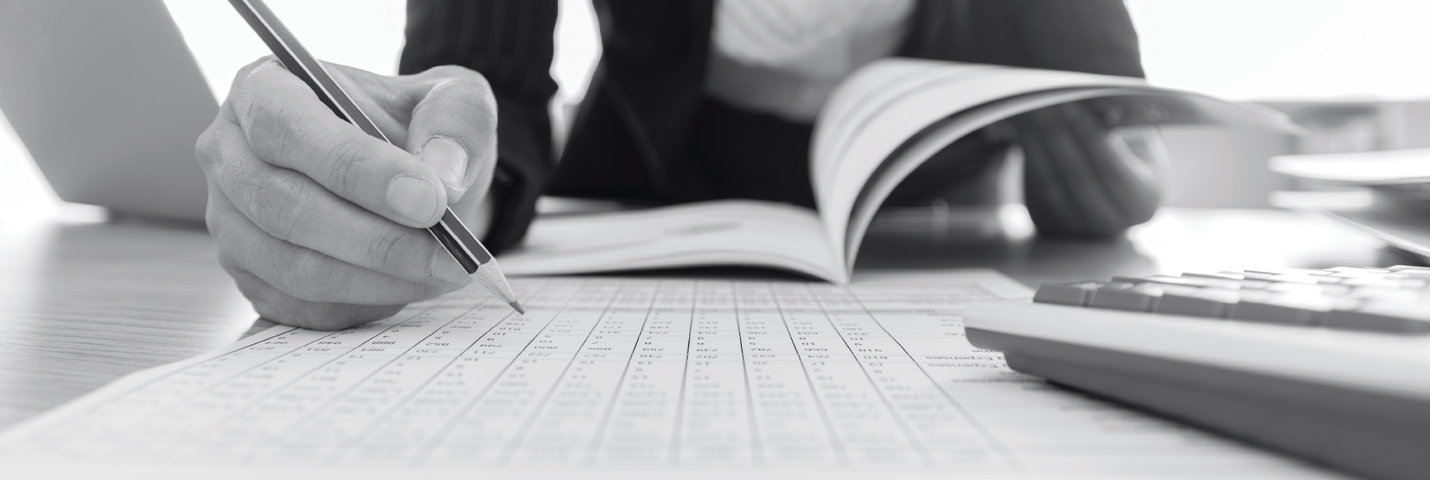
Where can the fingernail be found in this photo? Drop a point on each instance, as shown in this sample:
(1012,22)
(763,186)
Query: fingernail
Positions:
(413,198)
(449,158)
(446,269)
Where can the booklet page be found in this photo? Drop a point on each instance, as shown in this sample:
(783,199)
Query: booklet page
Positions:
(725,232)
(888,108)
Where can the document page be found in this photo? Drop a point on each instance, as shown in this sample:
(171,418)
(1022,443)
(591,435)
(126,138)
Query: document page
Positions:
(886,103)
(721,232)
(900,109)
(638,376)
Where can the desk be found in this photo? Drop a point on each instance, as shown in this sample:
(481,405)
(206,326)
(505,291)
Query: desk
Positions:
(85,300)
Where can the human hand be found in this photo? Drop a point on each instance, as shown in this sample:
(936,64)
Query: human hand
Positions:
(320,224)
(1081,177)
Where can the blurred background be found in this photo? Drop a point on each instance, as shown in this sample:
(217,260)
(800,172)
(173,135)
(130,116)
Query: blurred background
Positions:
(1355,74)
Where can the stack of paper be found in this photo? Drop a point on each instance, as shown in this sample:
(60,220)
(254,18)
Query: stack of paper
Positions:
(1389,195)
(636,378)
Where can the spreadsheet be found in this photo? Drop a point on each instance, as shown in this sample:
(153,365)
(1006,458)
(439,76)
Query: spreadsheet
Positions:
(628,373)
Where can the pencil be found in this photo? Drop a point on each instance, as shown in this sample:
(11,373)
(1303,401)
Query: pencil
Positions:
(450,232)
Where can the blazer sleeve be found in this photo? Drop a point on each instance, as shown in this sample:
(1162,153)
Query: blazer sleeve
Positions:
(510,42)
(1092,36)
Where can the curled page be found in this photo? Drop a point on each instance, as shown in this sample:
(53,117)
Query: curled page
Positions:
(1410,166)
(894,114)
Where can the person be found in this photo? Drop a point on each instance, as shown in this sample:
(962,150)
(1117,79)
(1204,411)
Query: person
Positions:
(320,225)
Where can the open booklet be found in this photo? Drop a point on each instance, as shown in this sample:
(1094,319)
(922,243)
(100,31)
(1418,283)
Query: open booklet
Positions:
(879,125)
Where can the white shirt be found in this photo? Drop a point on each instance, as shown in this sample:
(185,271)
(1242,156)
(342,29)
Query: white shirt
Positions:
(785,57)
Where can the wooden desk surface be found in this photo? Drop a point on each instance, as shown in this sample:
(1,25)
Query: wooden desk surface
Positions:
(84,302)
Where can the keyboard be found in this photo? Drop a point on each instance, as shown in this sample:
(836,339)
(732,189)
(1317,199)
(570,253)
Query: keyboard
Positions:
(1330,365)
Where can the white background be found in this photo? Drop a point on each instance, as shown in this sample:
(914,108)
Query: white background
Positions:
(1238,49)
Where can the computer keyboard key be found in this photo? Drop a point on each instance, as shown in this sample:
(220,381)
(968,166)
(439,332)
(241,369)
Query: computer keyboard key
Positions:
(1180,281)
(1294,278)
(1257,275)
(1365,275)
(1387,294)
(1328,279)
(1221,275)
(1361,270)
(1205,280)
(1279,308)
(1126,296)
(1068,293)
(1383,282)
(1200,281)
(1408,271)
(1293,288)
(1420,274)
(1309,289)
(1299,272)
(1389,317)
(1196,302)
(1341,354)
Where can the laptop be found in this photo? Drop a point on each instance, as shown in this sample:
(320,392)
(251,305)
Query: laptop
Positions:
(109,102)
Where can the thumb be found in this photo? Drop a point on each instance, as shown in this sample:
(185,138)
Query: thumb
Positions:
(453,130)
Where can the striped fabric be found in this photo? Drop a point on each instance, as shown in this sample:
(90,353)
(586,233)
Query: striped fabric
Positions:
(511,43)
(503,40)
(649,131)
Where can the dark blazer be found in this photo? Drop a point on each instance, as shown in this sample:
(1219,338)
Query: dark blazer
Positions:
(646,130)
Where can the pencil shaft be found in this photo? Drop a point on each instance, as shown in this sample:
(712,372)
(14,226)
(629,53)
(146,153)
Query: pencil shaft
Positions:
(450,232)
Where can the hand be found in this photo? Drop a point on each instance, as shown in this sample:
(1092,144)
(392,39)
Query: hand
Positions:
(1081,177)
(322,225)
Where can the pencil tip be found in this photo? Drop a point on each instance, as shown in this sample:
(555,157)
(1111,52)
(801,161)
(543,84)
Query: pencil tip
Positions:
(517,306)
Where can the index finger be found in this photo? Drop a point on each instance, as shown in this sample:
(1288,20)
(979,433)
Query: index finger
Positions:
(450,118)
(288,126)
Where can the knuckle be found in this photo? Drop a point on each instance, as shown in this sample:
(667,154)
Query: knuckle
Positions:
(311,277)
(244,71)
(473,76)
(444,71)
(207,148)
(269,129)
(229,263)
(478,91)
(277,133)
(216,147)
(470,88)
(245,90)
(451,71)
(214,224)
(386,248)
(281,205)
(346,165)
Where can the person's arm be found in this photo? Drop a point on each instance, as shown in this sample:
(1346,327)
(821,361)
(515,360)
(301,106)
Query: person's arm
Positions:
(1082,178)
(1092,36)
(510,42)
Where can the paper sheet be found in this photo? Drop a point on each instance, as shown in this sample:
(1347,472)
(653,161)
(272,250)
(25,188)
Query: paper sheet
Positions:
(1366,168)
(637,376)
(722,232)
(882,108)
